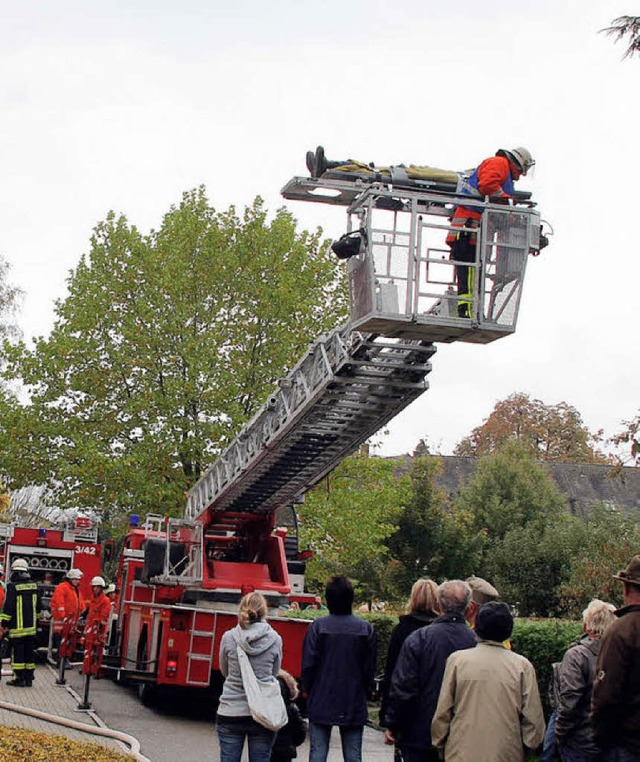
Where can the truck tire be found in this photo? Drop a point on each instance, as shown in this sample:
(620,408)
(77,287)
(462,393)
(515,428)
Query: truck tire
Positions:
(147,693)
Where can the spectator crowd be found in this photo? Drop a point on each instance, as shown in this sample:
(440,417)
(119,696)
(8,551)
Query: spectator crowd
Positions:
(453,688)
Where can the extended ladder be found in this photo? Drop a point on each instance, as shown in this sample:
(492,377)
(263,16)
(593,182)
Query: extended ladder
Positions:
(353,381)
(344,390)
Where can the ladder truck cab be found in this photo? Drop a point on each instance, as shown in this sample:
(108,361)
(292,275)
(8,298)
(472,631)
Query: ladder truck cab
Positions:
(50,552)
(181,580)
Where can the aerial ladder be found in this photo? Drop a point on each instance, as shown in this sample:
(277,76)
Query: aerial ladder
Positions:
(352,381)
(181,578)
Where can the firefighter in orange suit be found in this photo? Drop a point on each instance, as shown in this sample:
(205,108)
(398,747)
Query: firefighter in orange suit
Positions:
(66,605)
(493,178)
(95,629)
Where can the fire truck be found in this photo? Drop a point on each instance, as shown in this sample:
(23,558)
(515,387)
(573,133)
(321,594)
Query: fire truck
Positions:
(180,579)
(50,552)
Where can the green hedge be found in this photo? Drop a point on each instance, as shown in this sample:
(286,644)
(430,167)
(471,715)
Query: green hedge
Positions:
(544,641)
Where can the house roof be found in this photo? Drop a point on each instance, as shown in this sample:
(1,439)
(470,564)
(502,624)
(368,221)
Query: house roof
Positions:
(583,484)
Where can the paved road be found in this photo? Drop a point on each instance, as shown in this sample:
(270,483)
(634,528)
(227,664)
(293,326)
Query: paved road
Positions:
(183,728)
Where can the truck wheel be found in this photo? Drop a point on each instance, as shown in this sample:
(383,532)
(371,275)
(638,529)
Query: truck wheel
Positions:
(147,693)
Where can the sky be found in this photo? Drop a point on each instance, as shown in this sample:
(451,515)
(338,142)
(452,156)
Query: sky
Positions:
(123,106)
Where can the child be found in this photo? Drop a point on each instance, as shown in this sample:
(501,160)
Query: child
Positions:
(295,731)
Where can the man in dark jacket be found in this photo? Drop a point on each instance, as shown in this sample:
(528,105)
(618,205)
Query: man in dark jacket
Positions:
(19,617)
(338,665)
(615,702)
(417,678)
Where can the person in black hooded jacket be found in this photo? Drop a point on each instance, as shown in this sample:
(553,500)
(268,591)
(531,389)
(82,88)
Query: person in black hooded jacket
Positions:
(294,732)
(421,611)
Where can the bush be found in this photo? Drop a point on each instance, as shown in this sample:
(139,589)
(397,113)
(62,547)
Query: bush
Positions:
(383,625)
(543,642)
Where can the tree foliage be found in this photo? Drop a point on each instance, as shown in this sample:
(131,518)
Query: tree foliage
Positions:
(630,436)
(347,518)
(531,563)
(609,541)
(548,432)
(166,344)
(626,28)
(510,489)
(10,299)
(434,539)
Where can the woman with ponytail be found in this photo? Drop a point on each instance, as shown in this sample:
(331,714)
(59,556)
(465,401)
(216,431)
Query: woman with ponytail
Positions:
(263,646)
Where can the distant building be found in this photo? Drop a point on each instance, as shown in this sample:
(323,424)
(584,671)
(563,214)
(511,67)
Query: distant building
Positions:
(583,484)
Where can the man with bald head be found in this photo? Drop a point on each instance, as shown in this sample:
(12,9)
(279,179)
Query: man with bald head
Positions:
(417,677)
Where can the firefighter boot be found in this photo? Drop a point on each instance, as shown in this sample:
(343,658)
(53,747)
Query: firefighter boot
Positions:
(320,163)
(311,163)
(18,680)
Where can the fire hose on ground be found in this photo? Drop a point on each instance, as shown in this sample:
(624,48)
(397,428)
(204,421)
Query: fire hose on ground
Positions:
(116,735)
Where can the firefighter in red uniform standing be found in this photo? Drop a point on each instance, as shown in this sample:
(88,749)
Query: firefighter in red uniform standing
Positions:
(19,617)
(66,607)
(95,630)
(493,178)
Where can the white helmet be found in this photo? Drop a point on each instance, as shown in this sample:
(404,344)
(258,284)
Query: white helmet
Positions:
(19,565)
(110,589)
(1,569)
(98,582)
(75,574)
(520,156)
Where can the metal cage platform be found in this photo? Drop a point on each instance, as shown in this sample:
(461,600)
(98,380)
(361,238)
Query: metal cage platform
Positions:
(402,283)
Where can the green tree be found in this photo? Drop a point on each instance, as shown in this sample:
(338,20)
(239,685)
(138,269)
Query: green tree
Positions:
(626,27)
(166,344)
(531,563)
(434,539)
(347,518)
(609,540)
(520,515)
(548,432)
(510,493)
(510,490)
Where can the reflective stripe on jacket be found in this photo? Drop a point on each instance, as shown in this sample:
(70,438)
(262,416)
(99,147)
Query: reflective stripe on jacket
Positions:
(491,178)
(21,607)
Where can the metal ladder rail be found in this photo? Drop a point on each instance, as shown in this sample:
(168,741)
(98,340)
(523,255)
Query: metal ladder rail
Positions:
(344,390)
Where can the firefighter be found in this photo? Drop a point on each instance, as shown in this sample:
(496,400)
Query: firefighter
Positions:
(494,178)
(95,629)
(21,606)
(66,606)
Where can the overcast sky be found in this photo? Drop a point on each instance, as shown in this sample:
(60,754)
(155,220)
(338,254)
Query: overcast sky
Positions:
(125,105)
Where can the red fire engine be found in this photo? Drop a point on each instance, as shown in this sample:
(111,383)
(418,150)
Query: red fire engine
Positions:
(180,580)
(170,618)
(50,553)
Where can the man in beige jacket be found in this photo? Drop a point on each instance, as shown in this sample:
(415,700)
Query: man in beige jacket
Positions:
(489,708)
